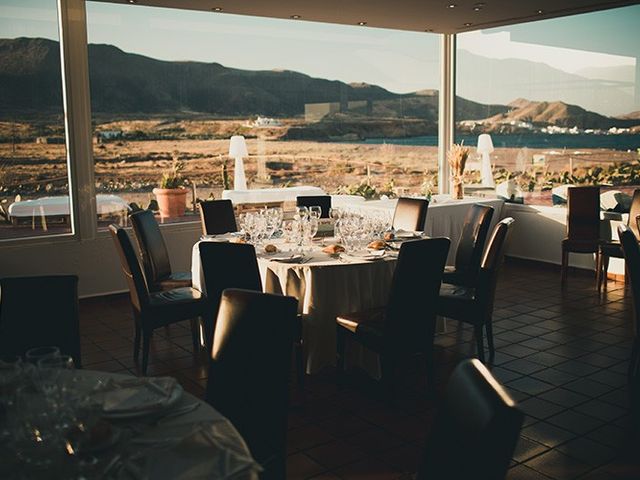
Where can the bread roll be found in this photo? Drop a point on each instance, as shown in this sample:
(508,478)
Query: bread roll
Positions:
(377,245)
(333,249)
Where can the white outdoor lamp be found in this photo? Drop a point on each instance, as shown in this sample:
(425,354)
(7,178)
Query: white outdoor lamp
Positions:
(485,147)
(238,150)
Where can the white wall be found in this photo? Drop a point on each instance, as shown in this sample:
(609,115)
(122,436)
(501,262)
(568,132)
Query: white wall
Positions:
(538,232)
(94,261)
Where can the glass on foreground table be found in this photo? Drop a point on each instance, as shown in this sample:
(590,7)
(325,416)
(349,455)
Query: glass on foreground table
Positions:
(58,422)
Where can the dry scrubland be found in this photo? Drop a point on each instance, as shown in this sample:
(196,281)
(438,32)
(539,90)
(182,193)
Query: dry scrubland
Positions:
(132,168)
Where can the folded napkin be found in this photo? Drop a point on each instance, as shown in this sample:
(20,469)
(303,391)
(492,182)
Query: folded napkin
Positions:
(136,395)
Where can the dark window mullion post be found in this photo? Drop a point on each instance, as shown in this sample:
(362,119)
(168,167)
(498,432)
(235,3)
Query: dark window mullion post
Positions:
(72,22)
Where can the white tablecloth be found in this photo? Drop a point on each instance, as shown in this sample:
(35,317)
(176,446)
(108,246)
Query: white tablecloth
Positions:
(445,216)
(267,195)
(59,206)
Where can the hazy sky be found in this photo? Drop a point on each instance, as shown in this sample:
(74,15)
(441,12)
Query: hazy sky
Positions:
(399,61)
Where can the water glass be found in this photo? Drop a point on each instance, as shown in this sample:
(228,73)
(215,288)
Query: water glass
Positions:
(34,355)
(315,211)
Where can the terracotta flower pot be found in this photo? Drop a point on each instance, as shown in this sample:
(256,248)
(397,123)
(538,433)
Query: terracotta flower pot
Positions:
(171,201)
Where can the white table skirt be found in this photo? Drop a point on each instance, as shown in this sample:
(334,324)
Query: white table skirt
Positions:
(325,288)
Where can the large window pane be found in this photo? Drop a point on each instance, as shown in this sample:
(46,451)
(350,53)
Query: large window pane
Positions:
(34,183)
(560,99)
(346,109)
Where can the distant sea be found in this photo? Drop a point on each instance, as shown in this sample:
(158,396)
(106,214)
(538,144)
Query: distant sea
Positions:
(613,142)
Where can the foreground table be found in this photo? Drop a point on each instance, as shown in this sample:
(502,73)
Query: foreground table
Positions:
(187,440)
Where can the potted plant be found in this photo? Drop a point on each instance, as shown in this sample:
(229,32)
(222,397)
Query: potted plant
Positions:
(171,194)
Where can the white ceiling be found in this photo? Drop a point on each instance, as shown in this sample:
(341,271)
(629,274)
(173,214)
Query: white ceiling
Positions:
(415,15)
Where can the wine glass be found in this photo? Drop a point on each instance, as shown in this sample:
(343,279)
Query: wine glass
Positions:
(34,355)
(315,211)
(301,213)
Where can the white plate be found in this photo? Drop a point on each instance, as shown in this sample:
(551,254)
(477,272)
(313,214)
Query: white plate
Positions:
(366,256)
(285,257)
(224,237)
(144,399)
(407,234)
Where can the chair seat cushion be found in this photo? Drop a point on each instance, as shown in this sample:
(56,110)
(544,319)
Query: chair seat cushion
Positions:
(175,280)
(368,325)
(169,306)
(454,276)
(456,301)
(612,249)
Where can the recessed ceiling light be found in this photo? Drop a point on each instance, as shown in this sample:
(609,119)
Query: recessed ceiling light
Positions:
(295,17)
(362,24)
(132,1)
(468,24)
(478,6)
(539,12)
(217,9)
(451,5)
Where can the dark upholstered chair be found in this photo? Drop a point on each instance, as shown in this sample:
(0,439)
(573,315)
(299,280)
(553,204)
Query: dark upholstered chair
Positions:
(152,310)
(37,312)
(217,217)
(249,371)
(583,225)
(613,248)
(322,201)
(155,257)
(234,265)
(410,214)
(470,247)
(631,250)
(407,324)
(475,430)
(475,305)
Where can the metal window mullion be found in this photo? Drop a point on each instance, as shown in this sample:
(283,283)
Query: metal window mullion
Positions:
(77,107)
(446,110)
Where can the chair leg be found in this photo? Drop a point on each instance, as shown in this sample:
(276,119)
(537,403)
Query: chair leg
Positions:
(146,341)
(489,329)
(195,334)
(565,265)
(604,262)
(340,346)
(479,342)
(136,343)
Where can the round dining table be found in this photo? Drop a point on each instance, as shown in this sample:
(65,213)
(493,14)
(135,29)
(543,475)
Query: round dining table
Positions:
(183,439)
(325,286)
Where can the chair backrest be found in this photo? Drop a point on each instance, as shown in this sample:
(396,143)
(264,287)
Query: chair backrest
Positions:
(631,249)
(491,263)
(583,213)
(472,241)
(322,201)
(138,288)
(475,430)
(39,311)
(228,265)
(410,214)
(411,313)
(155,257)
(249,371)
(217,217)
(634,212)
